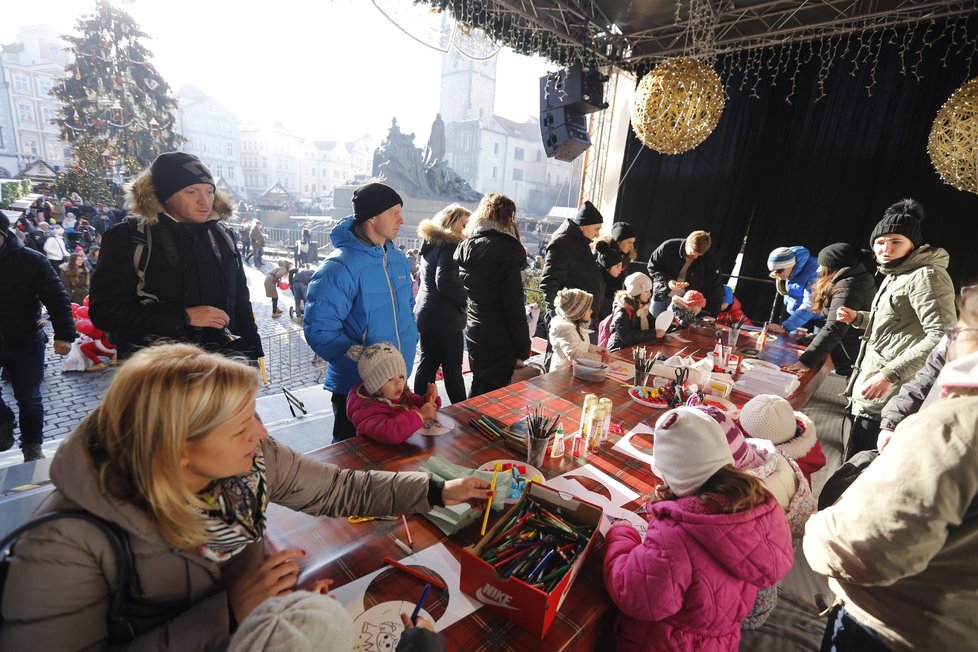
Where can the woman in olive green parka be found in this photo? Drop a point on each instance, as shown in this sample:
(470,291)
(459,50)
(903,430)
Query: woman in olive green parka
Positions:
(907,318)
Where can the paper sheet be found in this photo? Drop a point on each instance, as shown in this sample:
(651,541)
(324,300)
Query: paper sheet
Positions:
(621,371)
(624,445)
(620,494)
(440,425)
(613,515)
(375,625)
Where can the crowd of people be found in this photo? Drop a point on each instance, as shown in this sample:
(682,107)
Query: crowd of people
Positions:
(176,461)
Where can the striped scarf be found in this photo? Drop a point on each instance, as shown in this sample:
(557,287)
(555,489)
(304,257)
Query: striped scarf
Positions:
(235,513)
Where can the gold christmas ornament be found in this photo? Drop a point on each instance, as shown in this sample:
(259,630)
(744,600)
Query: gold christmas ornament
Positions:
(953,141)
(677,105)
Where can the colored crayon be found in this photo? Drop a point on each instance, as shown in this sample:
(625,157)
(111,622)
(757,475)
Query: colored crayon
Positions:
(410,571)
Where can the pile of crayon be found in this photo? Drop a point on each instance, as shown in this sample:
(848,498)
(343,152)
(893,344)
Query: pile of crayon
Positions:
(496,432)
(536,546)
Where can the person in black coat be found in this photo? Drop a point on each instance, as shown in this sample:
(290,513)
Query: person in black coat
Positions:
(195,287)
(612,263)
(845,279)
(569,262)
(440,305)
(491,261)
(26,281)
(683,264)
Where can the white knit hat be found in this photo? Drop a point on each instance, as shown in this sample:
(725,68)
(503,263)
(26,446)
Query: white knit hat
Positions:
(299,622)
(637,283)
(377,364)
(768,417)
(572,303)
(689,447)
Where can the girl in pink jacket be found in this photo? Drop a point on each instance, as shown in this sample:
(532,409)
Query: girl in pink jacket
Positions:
(715,537)
(382,407)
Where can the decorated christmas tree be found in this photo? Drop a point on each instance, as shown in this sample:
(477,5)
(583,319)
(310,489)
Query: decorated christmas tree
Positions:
(117,110)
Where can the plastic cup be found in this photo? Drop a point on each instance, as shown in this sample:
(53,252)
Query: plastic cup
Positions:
(733,334)
(536,450)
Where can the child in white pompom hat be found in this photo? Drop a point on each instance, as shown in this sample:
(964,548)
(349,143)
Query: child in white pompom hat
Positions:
(771,417)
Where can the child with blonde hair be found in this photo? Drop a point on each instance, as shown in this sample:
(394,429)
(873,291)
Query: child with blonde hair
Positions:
(381,406)
(715,538)
(569,330)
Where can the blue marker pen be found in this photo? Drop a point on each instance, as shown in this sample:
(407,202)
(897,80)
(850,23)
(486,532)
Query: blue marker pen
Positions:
(417,607)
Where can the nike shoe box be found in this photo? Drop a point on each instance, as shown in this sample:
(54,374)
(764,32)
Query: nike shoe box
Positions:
(530,607)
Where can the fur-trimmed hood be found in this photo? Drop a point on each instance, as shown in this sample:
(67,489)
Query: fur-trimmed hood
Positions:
(436,235)
(799,445)
(141,199)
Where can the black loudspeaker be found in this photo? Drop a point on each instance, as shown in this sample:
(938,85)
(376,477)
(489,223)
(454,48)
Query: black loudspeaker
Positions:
(564,133)
(577,88)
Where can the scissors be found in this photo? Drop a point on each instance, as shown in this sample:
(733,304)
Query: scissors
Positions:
(682,375)
(364,519)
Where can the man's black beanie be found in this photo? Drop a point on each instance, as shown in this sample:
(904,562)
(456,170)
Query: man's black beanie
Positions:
(372,199)
(174,171)
(587,215)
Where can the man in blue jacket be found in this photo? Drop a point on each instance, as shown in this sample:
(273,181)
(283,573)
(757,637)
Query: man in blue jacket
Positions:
(362,294)
(794,272)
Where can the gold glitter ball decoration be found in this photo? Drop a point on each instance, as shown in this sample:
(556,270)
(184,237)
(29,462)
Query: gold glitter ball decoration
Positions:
(953,141)
(677,105)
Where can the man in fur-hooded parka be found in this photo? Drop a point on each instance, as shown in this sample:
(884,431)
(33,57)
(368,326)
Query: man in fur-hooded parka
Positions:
(195,288)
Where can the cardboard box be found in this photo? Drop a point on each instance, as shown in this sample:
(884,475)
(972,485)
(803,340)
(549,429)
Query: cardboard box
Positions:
(525,605)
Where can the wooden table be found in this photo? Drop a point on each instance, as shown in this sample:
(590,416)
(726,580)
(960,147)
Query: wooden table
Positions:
(344,552)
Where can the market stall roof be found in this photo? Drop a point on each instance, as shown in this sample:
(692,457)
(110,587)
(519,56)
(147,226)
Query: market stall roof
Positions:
(635,35)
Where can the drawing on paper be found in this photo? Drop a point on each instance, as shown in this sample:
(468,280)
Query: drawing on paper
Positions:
(375,601)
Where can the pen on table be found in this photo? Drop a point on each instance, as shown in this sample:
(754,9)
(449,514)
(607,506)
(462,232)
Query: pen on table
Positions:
(403,546)
(407,530)
(417,607)
(410,571)
(492,491)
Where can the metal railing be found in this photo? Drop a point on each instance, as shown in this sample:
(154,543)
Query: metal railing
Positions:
(285,238)
(287,356)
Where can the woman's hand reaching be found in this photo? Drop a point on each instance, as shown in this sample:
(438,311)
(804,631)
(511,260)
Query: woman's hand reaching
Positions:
(464,490)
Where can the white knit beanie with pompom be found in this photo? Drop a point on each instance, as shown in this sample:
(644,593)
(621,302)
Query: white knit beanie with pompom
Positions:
(768,417)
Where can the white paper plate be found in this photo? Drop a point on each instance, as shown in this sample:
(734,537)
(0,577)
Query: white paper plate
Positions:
(652,406)
(726,405)
(750,363)
(664,320)
(531,472)
(442,424)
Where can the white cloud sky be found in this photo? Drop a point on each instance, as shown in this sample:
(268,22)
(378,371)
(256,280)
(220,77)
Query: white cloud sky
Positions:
(326,68)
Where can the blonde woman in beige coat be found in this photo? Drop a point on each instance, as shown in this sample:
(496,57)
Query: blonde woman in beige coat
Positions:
(177,458)
(900,547)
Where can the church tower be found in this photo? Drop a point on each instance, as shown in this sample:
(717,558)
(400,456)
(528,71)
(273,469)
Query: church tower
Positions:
(468,88)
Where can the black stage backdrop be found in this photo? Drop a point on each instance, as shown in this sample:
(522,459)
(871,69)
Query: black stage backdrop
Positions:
(811,172)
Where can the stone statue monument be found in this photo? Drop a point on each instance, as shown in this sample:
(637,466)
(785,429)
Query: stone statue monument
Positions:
(400,164)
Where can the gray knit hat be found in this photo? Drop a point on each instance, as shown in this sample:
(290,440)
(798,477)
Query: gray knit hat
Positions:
(299,622)
(571,303)
(377,364)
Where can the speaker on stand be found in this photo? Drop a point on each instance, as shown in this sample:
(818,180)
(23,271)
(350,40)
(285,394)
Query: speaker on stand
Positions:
(566,97)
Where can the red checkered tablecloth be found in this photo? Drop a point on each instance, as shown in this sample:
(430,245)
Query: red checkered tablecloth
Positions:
(343,551)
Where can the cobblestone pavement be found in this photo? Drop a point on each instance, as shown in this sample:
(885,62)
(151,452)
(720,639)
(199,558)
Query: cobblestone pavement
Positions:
(68,397)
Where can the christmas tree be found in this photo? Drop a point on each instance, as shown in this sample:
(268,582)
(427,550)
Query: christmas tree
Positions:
(117,110)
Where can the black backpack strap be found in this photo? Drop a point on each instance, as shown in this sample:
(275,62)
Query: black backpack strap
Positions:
(117,539)
(142,247)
